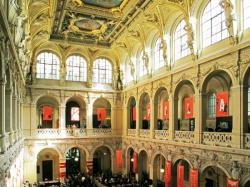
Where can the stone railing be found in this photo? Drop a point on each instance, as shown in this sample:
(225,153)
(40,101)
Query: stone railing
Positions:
(67,133)
(144,133)
(161,134)
(247,140)
(184,136)
(217,139)
(132,132)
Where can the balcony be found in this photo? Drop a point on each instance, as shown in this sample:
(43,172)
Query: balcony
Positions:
(144,133)
(132,132)
(247,140)
(217,139)
(184,136)
(161,134)
(68,133)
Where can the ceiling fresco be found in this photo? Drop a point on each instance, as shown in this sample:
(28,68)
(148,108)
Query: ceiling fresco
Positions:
(103,3)
(91,21)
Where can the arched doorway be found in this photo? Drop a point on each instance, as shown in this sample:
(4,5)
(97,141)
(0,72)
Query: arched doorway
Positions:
(246,102)
(216,116)
(47,165)
(186,172)
(47,112)
(75,113)
(132,113)
(213,176)
(161,110)
(159,170)
(143,166)
(75,161)
(101,113)
(144,111)
(184,107)
(247,184)
(102,161)
(130,162)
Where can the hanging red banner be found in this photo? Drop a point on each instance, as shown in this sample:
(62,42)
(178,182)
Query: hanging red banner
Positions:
(221,104)
(135,162)
(232,183)
(188,110)
(134,113)
(193,178)
(47,113)
(62,169)
(75,114)
(119,159)
(165,110)
(180,175)
(101,114)
(148,112)
(168,174)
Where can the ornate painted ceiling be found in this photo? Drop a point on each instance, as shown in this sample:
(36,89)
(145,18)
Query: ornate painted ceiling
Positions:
(91,21)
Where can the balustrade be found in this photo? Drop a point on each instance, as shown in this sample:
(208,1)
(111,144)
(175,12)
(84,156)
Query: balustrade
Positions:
(132,132)
(184,136)
(145,133)
(217,138)
(161,135)
(247,140)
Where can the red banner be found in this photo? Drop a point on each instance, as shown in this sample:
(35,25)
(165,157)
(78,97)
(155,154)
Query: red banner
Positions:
(62,169)
(47,113)
(134,113)
(148,112)
(101,114)
(119,159)
(232,183)
(221,104)
(193,178)
(165,110)
(188,110)
(135,162)
(180,175)
(75,114)
(168,174)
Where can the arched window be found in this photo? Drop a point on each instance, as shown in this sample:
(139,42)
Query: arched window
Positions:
(246,13)
(158,52)
(180,41)
(47,66)
(142,66)
(76,67)
(102,71)
(213,25)
(211,105)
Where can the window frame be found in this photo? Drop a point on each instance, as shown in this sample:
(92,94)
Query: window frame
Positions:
(99,72)
(82,68)
(158,55)
(211,106)
(244,17)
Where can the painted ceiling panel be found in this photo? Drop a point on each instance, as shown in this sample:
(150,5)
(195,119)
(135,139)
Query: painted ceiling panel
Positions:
(104,3)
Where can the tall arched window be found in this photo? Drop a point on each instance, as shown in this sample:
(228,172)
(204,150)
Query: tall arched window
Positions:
(102,71)
(246,13)
(180,41)
(158,52)
(76,67)
(47,66)
(211,105)
(213,25)
(142,66)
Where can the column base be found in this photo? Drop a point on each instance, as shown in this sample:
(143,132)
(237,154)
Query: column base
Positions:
(3,147)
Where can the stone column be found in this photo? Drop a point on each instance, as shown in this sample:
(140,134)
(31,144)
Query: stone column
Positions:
(18,118)
(171,117)
(152,118)
(14,115)
(126,124)
(21,115)
(89,116)
(62,116)
(198,117)
(8,112)
(2,116)
(33,115)
(235,98)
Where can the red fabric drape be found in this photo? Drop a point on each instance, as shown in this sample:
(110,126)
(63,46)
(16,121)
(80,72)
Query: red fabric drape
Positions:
(180,175)
(119,158)
(47,113)
(148,112)
(232,183)
(188,110)
(101,114)
(75,114)
(62,169)
(134,113)
(193,179)
(168,174)
(165,110)
(135,162)
(221,104)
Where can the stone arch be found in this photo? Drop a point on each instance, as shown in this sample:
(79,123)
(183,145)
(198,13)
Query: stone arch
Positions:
(82,148)
(245,180)
(176,158)
(129,100)
(47,95)
(212,164)
(37,151)
(103,145)
(155,154)
(181,83)
(245,75)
